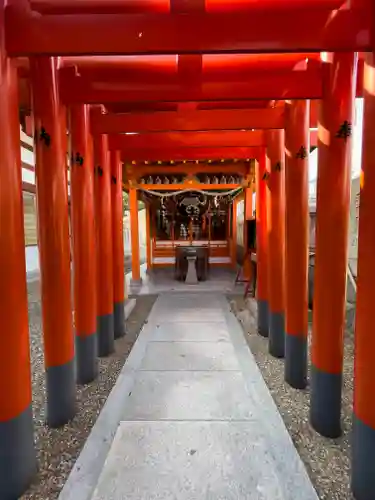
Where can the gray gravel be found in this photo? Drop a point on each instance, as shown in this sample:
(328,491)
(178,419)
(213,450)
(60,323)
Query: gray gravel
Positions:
(327,460)
(59,448)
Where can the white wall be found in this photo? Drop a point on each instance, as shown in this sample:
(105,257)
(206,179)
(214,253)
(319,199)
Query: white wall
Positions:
(32,259)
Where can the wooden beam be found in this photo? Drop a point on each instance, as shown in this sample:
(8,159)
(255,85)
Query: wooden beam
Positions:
(240,119)
(223,80)
(179,187)
(276,30)
(164,141)
(261,86)
(238,168)
(26,166)
(229,6)
(169,69)
(29,188)
(146,107)
(60,7)
(193,154)
(133,6)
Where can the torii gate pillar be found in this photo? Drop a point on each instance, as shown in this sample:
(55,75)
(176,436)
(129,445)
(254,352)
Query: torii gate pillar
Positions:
(297,241)
(54,246)
(363,440)
(276,241)
(17,453)
(332,226)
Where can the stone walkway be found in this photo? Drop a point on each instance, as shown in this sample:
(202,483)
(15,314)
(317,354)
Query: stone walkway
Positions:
(163,280)
(190,417)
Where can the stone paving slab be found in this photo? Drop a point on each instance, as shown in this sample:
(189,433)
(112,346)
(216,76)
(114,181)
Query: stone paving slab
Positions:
(189,395)
(189,461)
(194,307)
(192,332)
(166,315)
(187,300)
(189,356)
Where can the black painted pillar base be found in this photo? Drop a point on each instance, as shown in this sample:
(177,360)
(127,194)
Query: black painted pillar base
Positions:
(106,335)
(119,319)
(325,402)
(61,394)
(263,318)
(18,464)
(296,361)
(87,358)
(363,460)
(276,344)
